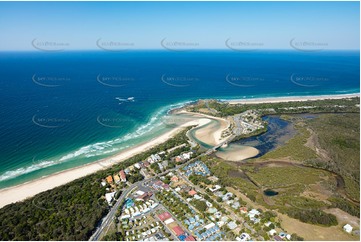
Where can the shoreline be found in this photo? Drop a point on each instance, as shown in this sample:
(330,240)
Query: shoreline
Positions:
(289,98)
(204,135)
(31,188)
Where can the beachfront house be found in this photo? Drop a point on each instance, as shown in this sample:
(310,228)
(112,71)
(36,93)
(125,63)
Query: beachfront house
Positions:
(116,179)
(109,179)
(122,175)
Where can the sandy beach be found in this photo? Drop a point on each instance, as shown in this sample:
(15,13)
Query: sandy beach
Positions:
(237,152)
(29,189)
(290,99)
(212,133)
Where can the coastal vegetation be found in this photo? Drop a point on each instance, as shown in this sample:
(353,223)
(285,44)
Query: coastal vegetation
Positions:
(339,137)
(327,141)
(224,109)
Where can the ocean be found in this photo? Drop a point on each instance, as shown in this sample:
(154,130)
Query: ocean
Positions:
(64,109)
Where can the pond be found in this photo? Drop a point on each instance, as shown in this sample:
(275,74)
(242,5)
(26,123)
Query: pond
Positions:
(270,193)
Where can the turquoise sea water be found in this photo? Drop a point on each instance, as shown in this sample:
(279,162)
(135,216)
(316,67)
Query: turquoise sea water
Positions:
(62,110)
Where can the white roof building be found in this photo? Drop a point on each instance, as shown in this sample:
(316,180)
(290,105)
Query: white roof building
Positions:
(232,225)
(272,232)
(208,226)
(109,197)
(348,228)
(168,221)
(253,213)
(268,224)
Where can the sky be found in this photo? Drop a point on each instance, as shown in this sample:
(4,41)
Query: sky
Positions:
(178,25)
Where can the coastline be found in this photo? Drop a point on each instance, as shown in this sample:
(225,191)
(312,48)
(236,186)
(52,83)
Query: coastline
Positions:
(29,189)
(289,99)
(210,135)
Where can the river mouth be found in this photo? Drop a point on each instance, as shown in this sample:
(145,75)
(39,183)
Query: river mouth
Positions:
(270,193)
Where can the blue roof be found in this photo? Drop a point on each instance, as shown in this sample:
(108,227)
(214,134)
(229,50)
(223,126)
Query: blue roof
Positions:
(182,237)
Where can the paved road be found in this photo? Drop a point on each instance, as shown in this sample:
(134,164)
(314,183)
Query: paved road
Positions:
(107,220)
(109,217)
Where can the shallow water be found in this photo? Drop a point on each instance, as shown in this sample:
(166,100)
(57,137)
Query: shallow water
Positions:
(278,133)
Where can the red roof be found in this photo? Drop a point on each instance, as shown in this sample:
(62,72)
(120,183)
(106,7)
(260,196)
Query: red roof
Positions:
(192,192)
(174,179)
(190,238)
(122,174)
(178,230)
(164,216)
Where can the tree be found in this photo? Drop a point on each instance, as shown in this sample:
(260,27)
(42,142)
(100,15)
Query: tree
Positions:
(200,205)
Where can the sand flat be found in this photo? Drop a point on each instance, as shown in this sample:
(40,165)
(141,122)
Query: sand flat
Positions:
(237,152)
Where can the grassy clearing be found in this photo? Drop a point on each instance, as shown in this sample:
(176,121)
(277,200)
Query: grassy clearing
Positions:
(230,176)
(339,135)
(295,148)
(290,182)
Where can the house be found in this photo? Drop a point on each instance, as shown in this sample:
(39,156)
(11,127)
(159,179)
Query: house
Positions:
(116,179)
(165,163)
(178,159)
(174,179)
(235,205)
(109,197)
(268,224)
(192,192)
(348,228)
(144,197)
(122,176)
(272,232)
(215,188)
(213,178)
(232,225)
(160,166)
(253,213)
(227,196)
(109,179)
(243,210)
(146,163)
(244,237)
